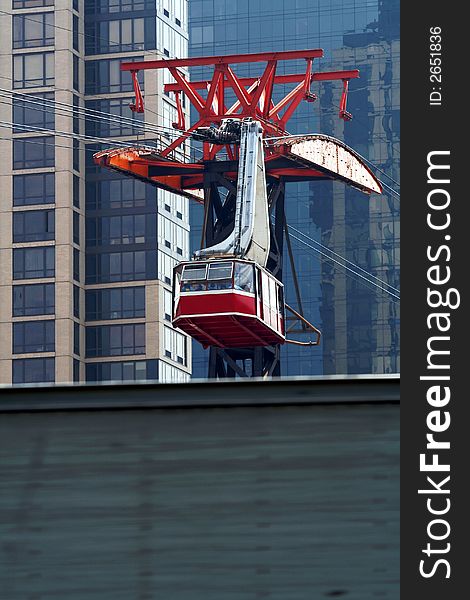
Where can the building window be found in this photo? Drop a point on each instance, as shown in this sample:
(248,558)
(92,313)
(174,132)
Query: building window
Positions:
(33,111)
(33,70)
(173,203)
(167,305)
(76,265)
(175,346)
(33,370)
(166,265)
(131,370)
(76,155)
(38,188)
(120,266)
(76,301)
(105,76)
(170,374)
(120,35)
(76,73)
(32,3)
(76,191)
(115,303)
(115,106)
(118,6)
(115,340)
(33,153)
(31,300)
(76,228)
(76,114)
(33,263)
(32,30)
(173,236)
(119,193)
(121,229)
(76,339)
(33,226)
(76,370)
(76,43)
(171,42)
(33,336)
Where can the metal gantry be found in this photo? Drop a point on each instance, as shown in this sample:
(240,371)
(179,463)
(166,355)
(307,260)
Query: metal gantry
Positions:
(224,99)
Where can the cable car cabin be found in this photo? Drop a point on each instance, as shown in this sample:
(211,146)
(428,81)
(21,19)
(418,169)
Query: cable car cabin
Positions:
(228,303)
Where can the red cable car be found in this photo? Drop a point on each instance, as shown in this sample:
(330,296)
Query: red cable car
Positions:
(231,303)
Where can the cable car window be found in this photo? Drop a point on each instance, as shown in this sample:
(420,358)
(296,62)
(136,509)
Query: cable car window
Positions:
(194,273)
(244,279)
(193,287)
(280,299)
(220,271)
(220,284)
(272,295)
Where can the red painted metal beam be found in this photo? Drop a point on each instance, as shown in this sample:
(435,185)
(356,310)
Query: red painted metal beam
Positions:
(195,98)
(213,87)
(240,91)
(335,75)
(221,60)
(279,79)
(253,95)
(265,82)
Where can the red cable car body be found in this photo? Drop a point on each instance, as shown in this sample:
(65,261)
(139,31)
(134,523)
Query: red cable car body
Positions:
(228,303)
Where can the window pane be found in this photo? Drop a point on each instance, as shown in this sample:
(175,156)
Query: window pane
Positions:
(33,263)
(36,299)
(33,153)
(33,336)
(121,371)
(33,70)
(120,266)
(32,3)
(220,271)
(33,370)
(34,66)
(33,226)
(115,340)
(244,277)
(118,303)
(195,273)
(36,111)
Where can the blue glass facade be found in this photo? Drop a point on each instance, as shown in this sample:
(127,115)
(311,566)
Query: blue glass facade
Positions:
(359,322)
(121,221)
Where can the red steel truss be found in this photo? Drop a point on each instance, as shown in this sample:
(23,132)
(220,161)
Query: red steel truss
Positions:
(254,96)
(262,98)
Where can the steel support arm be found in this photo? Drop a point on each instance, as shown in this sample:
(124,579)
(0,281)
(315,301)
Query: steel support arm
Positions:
(230,59)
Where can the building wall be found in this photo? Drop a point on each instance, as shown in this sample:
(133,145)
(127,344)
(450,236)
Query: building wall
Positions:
(360,322)
(281,502)
(363,330)
(115,240)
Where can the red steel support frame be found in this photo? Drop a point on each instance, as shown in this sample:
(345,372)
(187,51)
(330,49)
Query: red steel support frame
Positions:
(254,96)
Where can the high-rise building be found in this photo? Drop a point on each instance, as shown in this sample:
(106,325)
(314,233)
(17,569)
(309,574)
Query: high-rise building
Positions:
(356,304)
(86,255)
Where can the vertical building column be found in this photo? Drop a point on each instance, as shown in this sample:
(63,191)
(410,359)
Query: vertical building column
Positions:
(66,159)
(6,151)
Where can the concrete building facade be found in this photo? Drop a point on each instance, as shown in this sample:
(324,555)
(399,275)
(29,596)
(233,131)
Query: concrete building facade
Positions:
(87,255)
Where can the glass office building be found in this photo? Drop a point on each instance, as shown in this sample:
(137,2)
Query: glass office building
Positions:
(358,319)
(87,255)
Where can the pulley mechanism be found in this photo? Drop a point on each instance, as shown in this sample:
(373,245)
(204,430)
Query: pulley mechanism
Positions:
(228,133)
